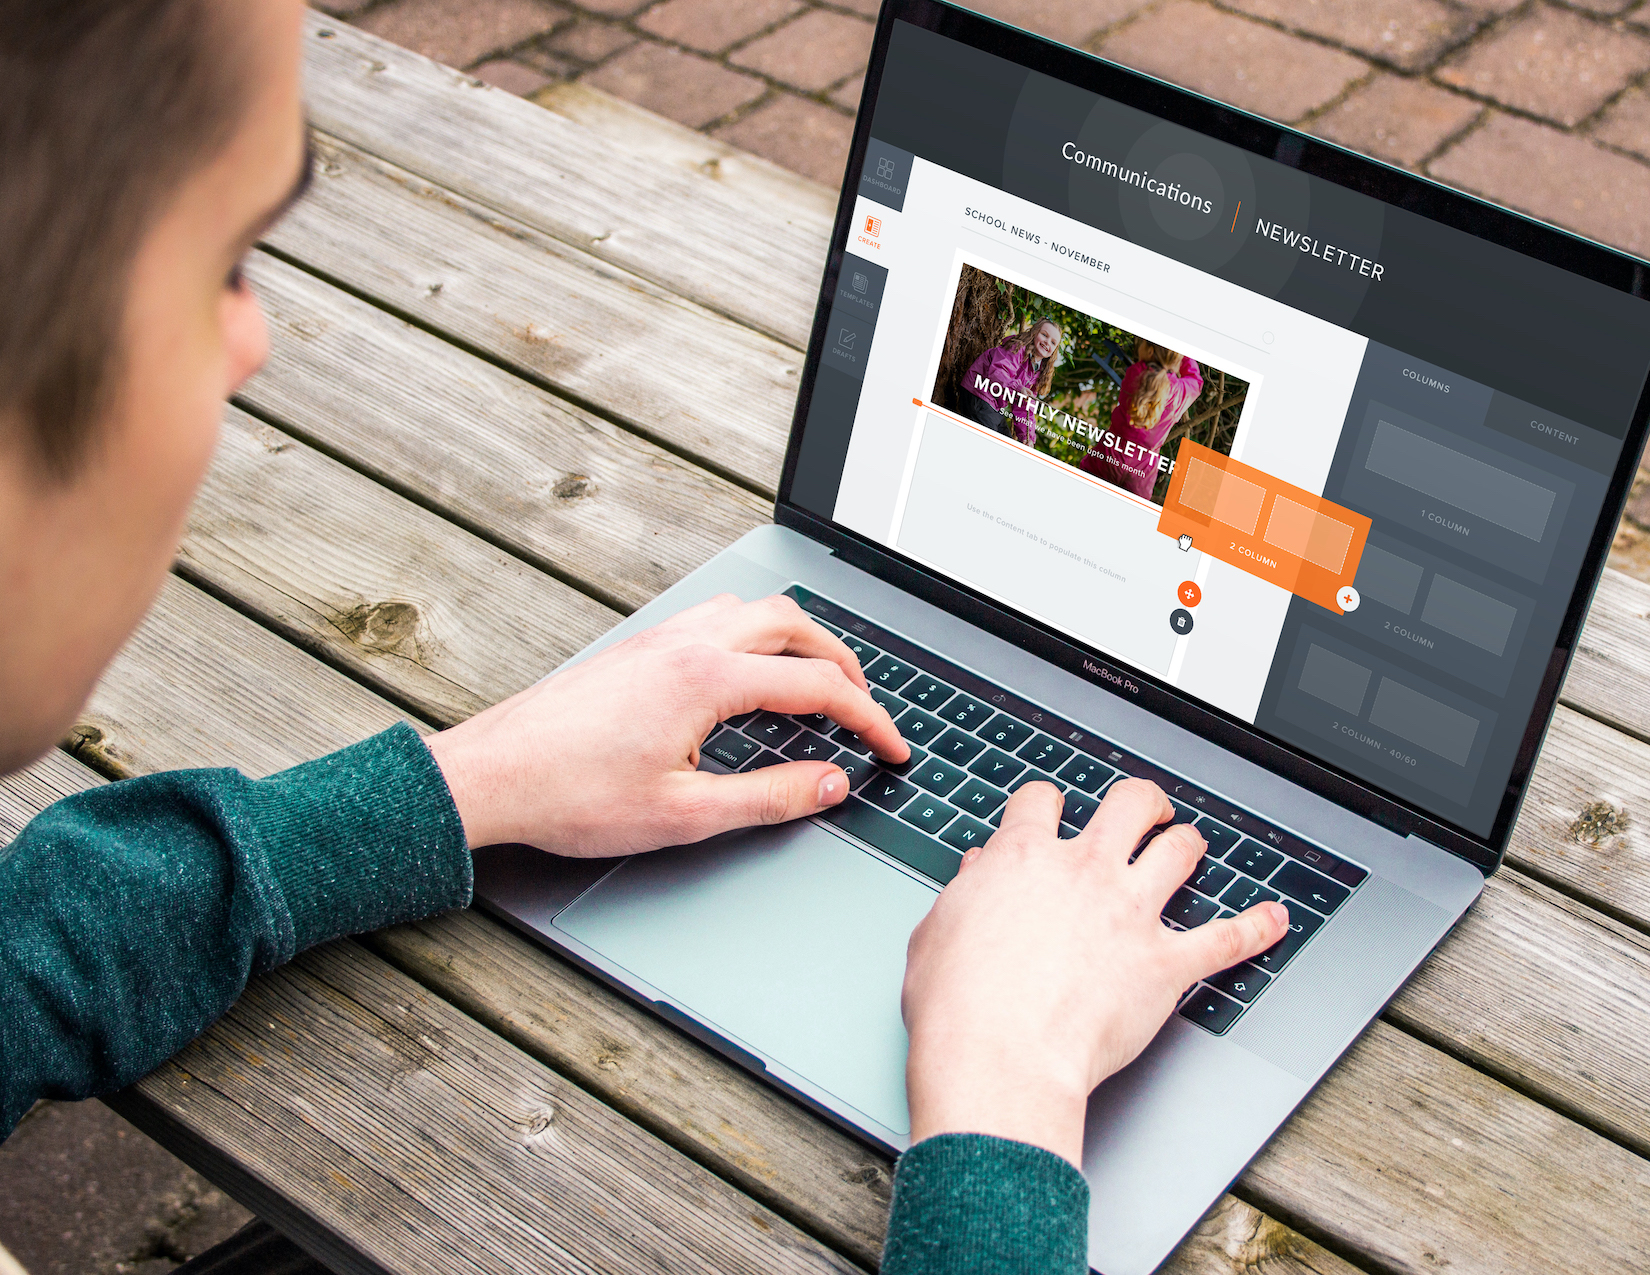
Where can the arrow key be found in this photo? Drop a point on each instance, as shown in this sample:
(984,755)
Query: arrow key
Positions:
(1302,884)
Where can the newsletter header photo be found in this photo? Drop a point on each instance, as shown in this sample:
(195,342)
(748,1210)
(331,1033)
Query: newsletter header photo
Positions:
(1079,389)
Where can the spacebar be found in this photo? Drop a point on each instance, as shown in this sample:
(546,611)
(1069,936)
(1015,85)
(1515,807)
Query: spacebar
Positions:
(895,838)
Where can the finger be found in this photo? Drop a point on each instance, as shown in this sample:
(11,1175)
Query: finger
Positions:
(1219,945)
(1034,808)
(709,804)
(787,684)
(684,625)
(1168,859)
(776,625)
(1130,809)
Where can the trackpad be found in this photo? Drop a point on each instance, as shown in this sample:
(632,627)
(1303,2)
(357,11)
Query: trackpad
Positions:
(788,940)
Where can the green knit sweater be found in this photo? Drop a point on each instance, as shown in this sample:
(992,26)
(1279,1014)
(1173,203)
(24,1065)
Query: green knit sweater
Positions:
(132,916)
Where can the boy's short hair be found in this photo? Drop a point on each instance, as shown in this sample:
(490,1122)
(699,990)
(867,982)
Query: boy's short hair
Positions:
(106,107)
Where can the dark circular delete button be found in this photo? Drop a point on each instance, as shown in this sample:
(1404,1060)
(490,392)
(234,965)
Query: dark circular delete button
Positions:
(1180,620)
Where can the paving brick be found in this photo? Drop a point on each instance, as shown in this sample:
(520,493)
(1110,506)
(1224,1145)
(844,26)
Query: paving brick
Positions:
(1252,66)
(1408,34)
(1559,177)
(811,52)
(512,77)
(341,8)
(714,26)
(849,94)
(1069,21)
(614,8)
(589,40)
(462,32)
(800,135)
(687,88)
(865,8)
(1552,63)
(1492,6)
(1399,120)
(1627,123)
(1607,8)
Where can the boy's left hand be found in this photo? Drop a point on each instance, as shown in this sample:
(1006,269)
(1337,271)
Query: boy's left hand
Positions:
(600,759)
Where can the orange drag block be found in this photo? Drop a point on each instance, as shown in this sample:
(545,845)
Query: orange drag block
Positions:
(1270,528)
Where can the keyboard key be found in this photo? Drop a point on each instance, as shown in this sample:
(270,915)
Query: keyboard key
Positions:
(1241,982)
(897,840)
(816,722)
(1211,877)
(1303,924)
(858,769)
(1257,860)
(1244,893)
(925,692)
(738,722)
(1190,910)
(829,628)
(1080,808)
(916,759)
(809,747)
(1182,814)
(978,798)
(957,748)
(1044,753)
(888,791)
(852,742)
(1008,733)
(1220,837)
(893,703)
(965,712)
(890,674)
(920,727)
(996,820)
(1318,892)
(1086,773)
(1208,1008)
(937,776)
(763,760)
(996,767)
(863,651)
(1035,776)
(928,813)
(1066,832)
(966,832)
(730,748)
(770,729)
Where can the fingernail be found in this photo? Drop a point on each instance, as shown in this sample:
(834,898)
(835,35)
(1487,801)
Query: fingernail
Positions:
(832,788)
(1280,914)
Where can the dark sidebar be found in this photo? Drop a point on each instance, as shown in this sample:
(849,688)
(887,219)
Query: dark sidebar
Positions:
(1482,508)
(854,308)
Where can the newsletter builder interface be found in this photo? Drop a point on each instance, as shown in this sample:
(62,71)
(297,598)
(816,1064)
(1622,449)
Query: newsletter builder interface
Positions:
(1007,393)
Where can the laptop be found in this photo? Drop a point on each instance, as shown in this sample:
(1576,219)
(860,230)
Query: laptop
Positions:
(1141,436)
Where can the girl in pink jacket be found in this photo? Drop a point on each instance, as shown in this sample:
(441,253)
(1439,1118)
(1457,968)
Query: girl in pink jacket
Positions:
(1004,383)
(1156,391)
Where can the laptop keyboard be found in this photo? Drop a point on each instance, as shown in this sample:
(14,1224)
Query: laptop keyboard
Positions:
(973,743)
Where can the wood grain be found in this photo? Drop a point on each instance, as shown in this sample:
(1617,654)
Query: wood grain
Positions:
(426,1142)
(556,485)
(28,792)
(680,374)
(569,183)
(404,601)
(1609,677)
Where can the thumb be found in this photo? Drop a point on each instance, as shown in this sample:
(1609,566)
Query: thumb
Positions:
(1220,945)
(774,794)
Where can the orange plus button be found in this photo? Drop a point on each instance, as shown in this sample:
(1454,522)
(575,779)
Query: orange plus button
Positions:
(1189,593)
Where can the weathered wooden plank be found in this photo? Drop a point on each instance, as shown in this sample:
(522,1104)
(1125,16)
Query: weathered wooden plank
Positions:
(558,486)
(1411,1161)
(403,600)
(565,181)
(200,685)
(700,383)
(428,1143)
(1610,676)
(825,1181)
(28,792)
(642,135)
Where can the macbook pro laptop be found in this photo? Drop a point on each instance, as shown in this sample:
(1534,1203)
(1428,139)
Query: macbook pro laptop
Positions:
(1141,436)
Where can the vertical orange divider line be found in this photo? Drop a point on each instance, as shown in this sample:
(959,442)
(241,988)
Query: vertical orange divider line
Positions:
(1235,212)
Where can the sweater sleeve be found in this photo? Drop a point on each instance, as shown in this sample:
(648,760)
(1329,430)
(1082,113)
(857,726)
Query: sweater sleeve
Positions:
(971,1204)
(133,915)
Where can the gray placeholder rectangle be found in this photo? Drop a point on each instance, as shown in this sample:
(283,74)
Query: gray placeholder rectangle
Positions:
(1388,578)
(1459,480)
(1423,721)
(1466,613)
(1334,679)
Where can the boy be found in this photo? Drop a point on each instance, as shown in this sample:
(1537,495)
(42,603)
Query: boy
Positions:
(145,146)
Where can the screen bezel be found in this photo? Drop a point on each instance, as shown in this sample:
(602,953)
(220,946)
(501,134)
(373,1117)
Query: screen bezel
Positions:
(1314,157)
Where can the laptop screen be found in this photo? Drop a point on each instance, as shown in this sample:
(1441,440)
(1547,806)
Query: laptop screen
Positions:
(1319,460)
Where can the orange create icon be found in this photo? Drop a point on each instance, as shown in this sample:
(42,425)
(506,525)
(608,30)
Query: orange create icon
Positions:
(1188,593)
(873,226)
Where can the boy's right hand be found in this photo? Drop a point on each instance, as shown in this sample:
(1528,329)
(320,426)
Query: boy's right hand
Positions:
(1044,967)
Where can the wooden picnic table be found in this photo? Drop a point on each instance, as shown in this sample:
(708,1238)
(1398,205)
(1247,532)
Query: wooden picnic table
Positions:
(530,367)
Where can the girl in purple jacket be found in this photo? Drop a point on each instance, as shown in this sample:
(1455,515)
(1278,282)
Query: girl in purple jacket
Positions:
(1156,391)
(1003,383)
